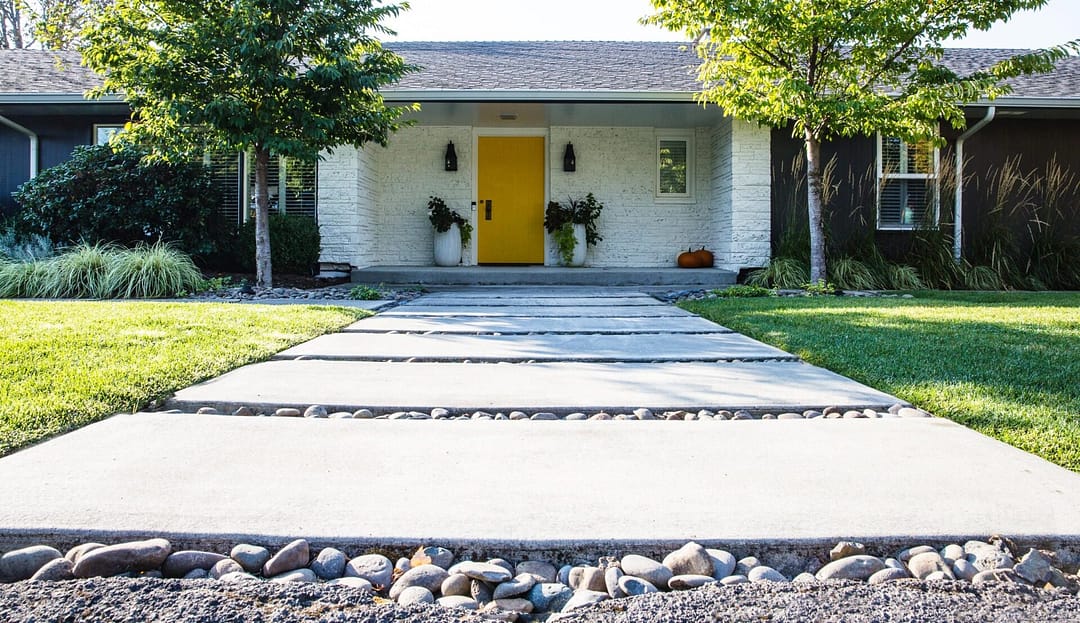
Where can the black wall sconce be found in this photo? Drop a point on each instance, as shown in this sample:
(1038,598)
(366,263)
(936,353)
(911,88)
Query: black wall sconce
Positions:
(569,160)
(451,157)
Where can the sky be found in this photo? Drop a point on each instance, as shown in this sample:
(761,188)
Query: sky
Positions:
(617,20)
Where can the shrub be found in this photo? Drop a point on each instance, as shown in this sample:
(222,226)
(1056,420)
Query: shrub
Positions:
(981,278)
(80,272)
(294,242)
(14,247)
(903,277)
(744,291)
(782,272)
(851,274)
(365,293)
(442,218)
(102,195)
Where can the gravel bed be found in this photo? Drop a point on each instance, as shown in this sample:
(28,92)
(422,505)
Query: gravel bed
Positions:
(641,414)
(93,581)
(329,293)
(674,296)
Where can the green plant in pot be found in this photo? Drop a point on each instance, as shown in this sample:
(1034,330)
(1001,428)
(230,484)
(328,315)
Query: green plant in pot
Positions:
(448,245)
(573,227)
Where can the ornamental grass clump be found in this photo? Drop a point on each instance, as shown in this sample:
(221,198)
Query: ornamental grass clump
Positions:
(80,273)
(154,271)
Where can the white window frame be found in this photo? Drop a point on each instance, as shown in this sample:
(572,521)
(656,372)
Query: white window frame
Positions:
(924,177)
(110,129)
(686,136)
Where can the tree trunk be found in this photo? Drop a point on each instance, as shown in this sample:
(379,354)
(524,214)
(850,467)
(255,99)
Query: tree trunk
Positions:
(264,277)
(818,271)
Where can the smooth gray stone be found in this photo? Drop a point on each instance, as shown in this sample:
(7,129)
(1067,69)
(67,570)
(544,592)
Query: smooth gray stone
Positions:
(457,584)
(550,597)
(690,559)
(542,571)
(548,417)
(329,564)
(843,549)
(250,557)
(991,576)
(989,557)
(922,565)
(224,567)
(438,556)
(197,574)
(765,574)
(952,553)
(895,564)
(179,564)
(505,564)
(593,579)
(563,576)
(342,415)
(646,568)
(430,577)
(439,413)
(77,552)
(734,579)
(22,564)
(858,567)
(518,585)
(244,412)
(689,581)
(577,417)
(415,595)
(404,564)
(315,411)
(632,586)
(363,414)
(909,553)
(56,570)
(1034,567)
(359,583)
(888,574)
(457,602)
(481,592)
(910,412)
(964,570)
(483,571)
(116,559)
(374,568)
(238,576)
(937,575)
(723,563)
(805,578)
(582,598)
(287,412)
(744,565)
(612,575)
(518,605)
(295,555)
(296,576)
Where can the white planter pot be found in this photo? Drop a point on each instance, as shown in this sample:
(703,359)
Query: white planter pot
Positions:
(448,247)
(581,248)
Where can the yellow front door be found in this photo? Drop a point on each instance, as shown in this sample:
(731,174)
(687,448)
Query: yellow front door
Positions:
(510,211)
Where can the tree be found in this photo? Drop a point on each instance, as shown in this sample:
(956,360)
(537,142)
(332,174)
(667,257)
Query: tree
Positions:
(271,77)
(52,24)
(844,68)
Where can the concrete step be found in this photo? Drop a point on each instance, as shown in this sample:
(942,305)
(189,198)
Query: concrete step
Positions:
(544,276)
(383,323)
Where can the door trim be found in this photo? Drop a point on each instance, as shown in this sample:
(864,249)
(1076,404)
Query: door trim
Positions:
(545,133)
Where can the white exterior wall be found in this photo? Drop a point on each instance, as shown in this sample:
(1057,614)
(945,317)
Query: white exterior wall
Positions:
(373,203)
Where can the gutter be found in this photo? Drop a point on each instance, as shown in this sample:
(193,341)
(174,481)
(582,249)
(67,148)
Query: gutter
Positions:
(33,143)
(531,95)
(958,210)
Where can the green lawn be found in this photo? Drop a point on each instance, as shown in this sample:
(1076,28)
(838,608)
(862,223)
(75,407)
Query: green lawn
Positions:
(1005,364)
(66,364)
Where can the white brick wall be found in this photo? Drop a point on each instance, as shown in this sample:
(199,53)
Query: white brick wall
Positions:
(373,202)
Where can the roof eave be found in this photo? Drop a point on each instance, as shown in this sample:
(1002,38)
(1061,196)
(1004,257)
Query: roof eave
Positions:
(57,98)
(526,95)
(1029,102)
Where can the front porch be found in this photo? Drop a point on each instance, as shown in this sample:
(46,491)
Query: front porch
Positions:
(543,275)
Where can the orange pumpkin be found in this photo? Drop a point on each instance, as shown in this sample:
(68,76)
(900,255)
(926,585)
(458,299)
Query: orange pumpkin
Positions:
(705,258)
(689,259)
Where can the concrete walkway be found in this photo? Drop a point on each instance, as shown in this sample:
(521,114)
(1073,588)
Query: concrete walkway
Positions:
(509,487)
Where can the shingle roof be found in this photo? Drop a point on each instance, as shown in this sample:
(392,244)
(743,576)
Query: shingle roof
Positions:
(528,65)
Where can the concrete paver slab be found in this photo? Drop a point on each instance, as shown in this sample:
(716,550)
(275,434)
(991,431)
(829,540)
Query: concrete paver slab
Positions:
(549,292)
(536,301)
(517,325)
(361,483)
(773,386)
(614,348)
(601,311)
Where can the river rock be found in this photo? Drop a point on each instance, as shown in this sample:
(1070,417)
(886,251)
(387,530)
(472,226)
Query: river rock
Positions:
(907,554)
(359,583)
(544,417)
(844,549)
(521,606)
(430,577)
(482,571)
(374,568)
(689,581)
(690,559)
(926,563)
(986,557)
(77,552)
(224,567)
(505,564)
(646,569)
(432,555)
(542,571)
(458,602)
(888,574)
(744,565)
(481,591)
(853,567)
(805,578)
(991,576)
(593,579)
(723,563)
(457,584)
(964,570)
(765,574)
(122,558)
(22,564)
(584,598)
(329,564)
(734,579)
(952,553)
(250,557)
(363,414)
(56,570)
(197,574)
(644,414)
(1035,567)
(632,586)
(238,576)
(293,556)
(519,585)
(612,575)
(179,564)
(296,576)
(315,411)
(287,412)
(415,595)
(549,596)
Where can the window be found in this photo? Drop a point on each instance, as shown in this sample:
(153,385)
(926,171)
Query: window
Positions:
(675,166)
(292,185)
(907,184)
(103,133)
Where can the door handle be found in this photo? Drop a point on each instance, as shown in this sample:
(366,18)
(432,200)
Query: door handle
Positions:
(487,210)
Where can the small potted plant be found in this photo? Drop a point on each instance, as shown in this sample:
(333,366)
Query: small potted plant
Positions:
(573,227)
(452,232)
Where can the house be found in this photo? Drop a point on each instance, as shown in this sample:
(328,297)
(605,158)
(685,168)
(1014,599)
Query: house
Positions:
(671,172)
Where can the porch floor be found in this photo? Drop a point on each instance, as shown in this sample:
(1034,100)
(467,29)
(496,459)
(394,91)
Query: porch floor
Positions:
(543,276)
